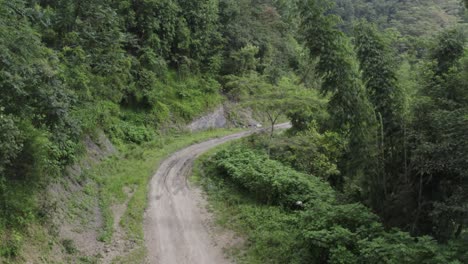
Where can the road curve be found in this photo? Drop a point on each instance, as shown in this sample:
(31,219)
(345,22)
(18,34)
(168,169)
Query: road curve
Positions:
(174,229)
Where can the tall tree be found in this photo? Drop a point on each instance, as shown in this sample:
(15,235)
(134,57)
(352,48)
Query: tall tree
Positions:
(202,20)
(89,52)
(351,112)
(379,75)
(441,142)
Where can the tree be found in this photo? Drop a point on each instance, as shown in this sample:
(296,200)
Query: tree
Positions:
(280,100)
(380,78)
(350,110)
(244,60)
(263,24)
(440,142)
(89,52)
(34,99)
(202,20)
(10,141)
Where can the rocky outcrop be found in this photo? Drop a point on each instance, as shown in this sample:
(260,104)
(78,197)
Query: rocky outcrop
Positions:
(215,119)
(225,116)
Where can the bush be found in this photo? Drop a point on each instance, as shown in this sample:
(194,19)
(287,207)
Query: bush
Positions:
(132,133)
(269,180)
(10,244)
(69,246)
(308,151)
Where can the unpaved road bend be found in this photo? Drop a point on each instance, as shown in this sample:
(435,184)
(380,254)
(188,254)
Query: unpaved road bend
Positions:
(175,232)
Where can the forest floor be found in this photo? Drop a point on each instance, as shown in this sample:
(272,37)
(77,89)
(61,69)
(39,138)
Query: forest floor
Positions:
(177,225)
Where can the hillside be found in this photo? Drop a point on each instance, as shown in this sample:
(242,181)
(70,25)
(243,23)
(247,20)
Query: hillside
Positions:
(95,93)
(410,18)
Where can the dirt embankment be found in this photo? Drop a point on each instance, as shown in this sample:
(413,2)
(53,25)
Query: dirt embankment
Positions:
(75,213)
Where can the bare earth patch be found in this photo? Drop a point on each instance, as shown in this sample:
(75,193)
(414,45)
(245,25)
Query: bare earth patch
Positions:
(120,244)
(75,213)
(226,239)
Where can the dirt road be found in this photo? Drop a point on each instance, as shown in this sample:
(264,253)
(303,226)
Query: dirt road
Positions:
(175,231)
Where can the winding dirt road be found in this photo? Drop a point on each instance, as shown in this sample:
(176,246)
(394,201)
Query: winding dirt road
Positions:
(175,232)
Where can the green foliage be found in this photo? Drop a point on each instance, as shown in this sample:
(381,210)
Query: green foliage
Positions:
(10,246)
(262,24)
(10,140)
(271,182)
(271,102)
(349,108)
(18,209)
(69,246)
(324,231)
(35,101)
(244,59)
(307,151)
(408,17)
(379,74)
(450,48)
(440,142)
(132,133)
(378,68)
(240,88)
(132,67)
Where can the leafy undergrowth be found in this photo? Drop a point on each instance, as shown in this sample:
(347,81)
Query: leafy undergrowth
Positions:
(133,170)
(252,194)
(269,230)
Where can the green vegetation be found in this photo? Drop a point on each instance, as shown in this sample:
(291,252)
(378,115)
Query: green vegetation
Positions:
(271,183)
(322,229)
(376,92)
(408,17)
(140,162)
(390,158)
(107,182)
(438,126)
(379,75)
(349,107)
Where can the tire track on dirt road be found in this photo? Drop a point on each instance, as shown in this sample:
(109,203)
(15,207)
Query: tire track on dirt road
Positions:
(175,230)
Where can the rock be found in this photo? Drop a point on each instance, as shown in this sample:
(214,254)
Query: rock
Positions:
(215,119)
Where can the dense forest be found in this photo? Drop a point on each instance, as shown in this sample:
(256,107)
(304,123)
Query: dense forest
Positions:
(376,91)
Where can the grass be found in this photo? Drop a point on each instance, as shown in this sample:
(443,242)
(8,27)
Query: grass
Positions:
(131,172)
(103,185)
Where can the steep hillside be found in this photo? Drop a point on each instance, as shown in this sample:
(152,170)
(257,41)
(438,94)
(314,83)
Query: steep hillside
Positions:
(377,100)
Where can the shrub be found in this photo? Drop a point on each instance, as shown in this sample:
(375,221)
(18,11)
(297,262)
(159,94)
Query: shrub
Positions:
(309,151)
(69,246)
(10,140)
(10,244)
(269,180)
(132,133)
